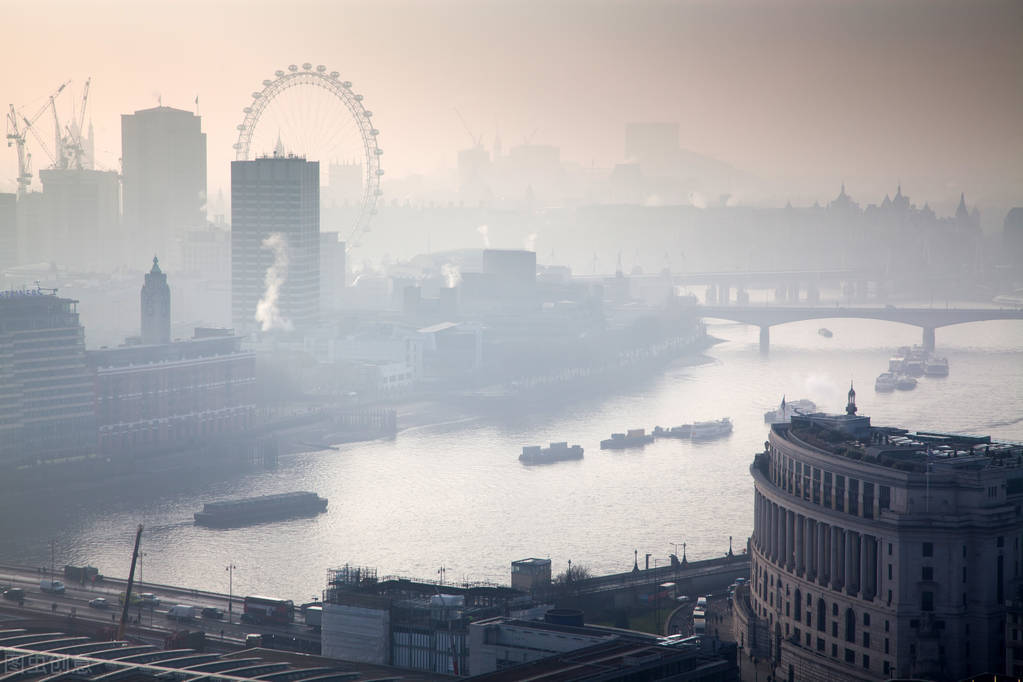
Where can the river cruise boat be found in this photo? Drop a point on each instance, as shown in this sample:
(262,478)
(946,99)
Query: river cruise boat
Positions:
(825,332)
(784,412)
(262,508)
(885,382)
(534,454)
(709,430)
(631,439)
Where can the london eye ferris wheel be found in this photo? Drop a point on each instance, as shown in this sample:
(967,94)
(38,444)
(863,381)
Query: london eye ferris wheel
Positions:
(311,112)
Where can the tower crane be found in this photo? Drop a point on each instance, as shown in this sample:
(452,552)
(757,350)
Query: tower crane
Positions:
(72,153)
(16,135)
(476,141)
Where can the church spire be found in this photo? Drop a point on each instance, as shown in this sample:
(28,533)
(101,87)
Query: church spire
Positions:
(850,407)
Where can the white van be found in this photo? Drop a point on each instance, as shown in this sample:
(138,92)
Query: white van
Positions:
(55,586)
(181,612)
(701,603)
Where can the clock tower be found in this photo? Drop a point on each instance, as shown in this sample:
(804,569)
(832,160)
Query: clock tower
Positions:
(155,307)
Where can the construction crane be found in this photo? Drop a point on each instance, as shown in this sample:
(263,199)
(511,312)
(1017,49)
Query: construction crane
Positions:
(72,153)
(476,141)
(131,581)
(16,135)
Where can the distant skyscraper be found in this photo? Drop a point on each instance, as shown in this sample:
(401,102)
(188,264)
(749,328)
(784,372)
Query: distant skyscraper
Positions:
(81,211)
(8,231)
(155,307)
(275,243)
(163,154)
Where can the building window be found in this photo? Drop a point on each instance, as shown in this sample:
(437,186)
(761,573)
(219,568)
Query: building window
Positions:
(850,625)
(1000,541)
(850,656)
(834,628)
(887,669)
(866,640)
(889,571)
(886,645)
(822,612)
(834,609)
(926,600)
(889,549)
(866,619)
(820,644)
(886,626)
(866,662)
(928,549)
(964,574)
(927,573)
(834,651)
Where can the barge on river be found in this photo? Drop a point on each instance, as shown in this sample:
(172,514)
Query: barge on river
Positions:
(262,508)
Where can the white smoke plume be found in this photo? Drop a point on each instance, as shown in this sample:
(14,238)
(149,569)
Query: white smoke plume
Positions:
(267,313)
(452,275)
(485,231)
(530,242)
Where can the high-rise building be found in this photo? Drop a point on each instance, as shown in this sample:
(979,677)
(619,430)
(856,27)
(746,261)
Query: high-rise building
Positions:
(8,231)
(155,300)
(163,158)
(47,392)
(332,270)
(275,243)
(880,553)
(82,210)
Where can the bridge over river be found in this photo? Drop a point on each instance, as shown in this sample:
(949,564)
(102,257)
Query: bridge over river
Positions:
(929,319)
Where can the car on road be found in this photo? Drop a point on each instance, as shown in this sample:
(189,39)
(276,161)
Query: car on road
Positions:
(99,603)
(14,594)
(212,612)
(149,599)
(54,586)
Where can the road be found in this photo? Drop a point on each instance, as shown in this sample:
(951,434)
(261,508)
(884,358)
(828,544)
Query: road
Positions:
(75,602)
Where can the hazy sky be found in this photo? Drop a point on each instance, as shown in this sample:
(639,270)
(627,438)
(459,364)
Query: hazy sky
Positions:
(804,93)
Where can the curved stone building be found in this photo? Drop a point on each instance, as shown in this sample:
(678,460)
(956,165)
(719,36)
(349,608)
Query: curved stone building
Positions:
(879,553)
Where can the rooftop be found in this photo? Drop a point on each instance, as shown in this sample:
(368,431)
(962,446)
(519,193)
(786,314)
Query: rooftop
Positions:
(897,448)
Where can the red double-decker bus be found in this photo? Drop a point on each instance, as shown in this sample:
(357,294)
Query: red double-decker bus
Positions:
(268,610)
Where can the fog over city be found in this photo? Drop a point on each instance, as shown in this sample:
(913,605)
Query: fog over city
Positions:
(512,339)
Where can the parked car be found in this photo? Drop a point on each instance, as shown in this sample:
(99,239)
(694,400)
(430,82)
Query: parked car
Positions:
(99,603)
(212,612)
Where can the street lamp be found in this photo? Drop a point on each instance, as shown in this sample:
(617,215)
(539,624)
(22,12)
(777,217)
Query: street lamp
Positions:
(230,590)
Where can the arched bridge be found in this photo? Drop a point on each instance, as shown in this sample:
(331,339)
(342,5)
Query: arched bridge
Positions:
(928,319)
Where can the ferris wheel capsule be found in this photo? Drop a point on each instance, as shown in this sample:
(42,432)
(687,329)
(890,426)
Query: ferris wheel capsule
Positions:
(278,73)
(334,75)
(321,68)
(368,114)
(267,82)
(307,66)
(292,68)
(347,85)
(257,95)
(358,98)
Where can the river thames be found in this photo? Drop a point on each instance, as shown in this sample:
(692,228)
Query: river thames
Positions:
(453,495)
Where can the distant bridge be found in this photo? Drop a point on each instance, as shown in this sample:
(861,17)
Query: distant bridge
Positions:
(928,319)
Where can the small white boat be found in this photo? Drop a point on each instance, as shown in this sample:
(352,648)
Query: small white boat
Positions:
(885,383)
(825,332)
(787,409)
(904,382)
(936,367)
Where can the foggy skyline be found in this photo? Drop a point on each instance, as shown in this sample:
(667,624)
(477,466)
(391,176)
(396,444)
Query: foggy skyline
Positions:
(801,95)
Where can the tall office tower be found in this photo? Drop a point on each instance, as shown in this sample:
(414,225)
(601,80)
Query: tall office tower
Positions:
(82,210)
(47,391)
(8,231)
(155,307)
(332,270)
(879,553)
(275,243)
(163,158)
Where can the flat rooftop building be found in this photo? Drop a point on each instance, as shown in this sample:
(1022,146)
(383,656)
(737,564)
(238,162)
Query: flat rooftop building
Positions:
(878,552)
(46,388)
